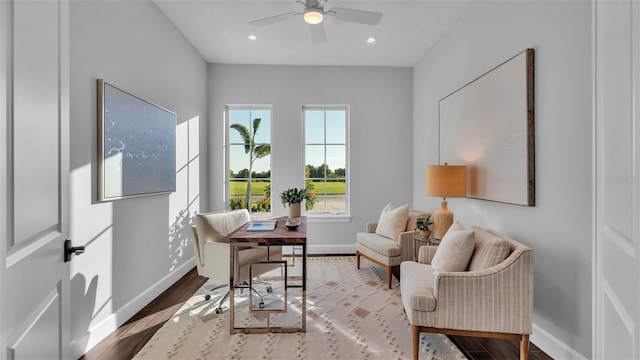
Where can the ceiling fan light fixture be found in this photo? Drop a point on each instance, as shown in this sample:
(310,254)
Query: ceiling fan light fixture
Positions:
(313,16)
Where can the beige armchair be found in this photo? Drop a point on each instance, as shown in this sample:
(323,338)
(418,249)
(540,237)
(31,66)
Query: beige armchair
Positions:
(494,301)
(388,252)
(211,247)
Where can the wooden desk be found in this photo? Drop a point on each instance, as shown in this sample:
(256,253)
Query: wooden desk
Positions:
(281,236)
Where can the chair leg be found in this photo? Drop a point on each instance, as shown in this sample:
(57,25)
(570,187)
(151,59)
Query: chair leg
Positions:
(219,308)
(524,347)
(415,336)
(357,260)
(389,276)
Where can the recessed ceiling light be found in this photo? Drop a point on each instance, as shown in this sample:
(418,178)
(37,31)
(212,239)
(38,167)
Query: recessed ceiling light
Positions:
(252,37)
(371,40)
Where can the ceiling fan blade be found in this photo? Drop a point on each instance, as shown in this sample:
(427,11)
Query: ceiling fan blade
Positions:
(317,34)
(273,19)
(357,16)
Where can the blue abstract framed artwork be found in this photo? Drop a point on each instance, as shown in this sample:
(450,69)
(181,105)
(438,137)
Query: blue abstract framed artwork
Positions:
(136,145)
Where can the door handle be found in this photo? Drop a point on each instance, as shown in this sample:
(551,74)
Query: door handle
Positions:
(69,250)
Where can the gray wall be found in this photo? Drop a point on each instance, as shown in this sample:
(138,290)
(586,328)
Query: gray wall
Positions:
(559,226)
(381,127)
(135,248)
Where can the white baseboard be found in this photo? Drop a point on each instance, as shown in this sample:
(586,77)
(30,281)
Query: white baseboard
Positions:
(98,332)
(331,249)
(552,346)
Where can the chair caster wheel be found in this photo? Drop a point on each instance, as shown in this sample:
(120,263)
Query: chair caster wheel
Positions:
(269,289)
(207,297)
(261,305)
(218,310)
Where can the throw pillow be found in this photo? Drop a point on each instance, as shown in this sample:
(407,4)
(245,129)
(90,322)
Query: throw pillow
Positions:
(454,251)
(392,221)
(490,250)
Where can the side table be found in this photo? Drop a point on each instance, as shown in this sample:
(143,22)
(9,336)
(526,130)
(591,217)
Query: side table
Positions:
(419,240)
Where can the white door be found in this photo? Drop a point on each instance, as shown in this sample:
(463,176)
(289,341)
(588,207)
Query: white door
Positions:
(34,162)
(617,184)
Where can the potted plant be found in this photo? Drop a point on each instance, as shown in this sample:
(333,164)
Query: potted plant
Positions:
(293,197)
(422,225)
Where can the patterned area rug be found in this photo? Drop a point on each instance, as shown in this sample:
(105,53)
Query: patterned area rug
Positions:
(350,315)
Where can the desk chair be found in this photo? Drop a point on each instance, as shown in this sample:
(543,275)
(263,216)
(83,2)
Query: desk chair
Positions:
(211,247)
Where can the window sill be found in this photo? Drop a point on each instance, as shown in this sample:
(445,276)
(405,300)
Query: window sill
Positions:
(328,218)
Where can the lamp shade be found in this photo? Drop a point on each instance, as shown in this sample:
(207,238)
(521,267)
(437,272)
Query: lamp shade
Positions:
(446,180)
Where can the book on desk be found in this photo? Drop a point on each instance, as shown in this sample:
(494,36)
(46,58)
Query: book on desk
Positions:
(262,225)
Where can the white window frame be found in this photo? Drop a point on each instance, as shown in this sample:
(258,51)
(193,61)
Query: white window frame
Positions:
(327,216)
(227,144)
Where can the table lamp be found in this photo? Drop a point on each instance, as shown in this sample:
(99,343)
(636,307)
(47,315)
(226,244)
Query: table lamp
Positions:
(446,181)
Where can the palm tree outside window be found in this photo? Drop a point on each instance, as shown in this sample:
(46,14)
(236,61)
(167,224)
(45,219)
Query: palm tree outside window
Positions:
(249,161)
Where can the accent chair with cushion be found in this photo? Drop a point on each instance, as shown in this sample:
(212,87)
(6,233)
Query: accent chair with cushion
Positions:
(211,247)
(389,241)
(478,282)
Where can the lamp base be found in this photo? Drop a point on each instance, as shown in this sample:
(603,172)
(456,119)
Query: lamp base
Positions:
(442,220)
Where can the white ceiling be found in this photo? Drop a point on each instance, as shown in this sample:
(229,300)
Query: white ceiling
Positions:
(219,28)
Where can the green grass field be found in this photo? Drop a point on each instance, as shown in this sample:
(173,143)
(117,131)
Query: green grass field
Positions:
(238,188)
(333,188)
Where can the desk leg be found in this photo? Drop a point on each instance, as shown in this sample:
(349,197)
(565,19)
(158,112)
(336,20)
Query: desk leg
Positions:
(304,288)
(232,291)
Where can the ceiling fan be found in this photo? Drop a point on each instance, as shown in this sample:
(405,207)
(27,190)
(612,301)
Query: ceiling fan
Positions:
(314,13)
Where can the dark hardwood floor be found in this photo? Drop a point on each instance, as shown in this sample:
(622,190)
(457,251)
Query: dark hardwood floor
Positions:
(128,339)
(495,349)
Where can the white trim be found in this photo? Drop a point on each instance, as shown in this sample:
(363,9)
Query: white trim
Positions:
(635,189)
(623,314)
(552,346)
(6,173)
(13,340)
(328,218)
(98,332)
(594,177)
(22,251)
(602,234)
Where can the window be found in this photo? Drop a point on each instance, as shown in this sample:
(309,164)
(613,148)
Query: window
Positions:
(249,158)
(326,158)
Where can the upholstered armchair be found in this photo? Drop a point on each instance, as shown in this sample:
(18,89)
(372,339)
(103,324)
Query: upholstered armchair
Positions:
(491,296)
(389,241)
(211,247)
